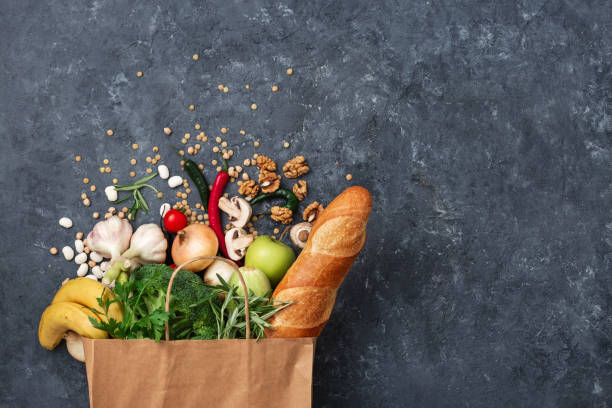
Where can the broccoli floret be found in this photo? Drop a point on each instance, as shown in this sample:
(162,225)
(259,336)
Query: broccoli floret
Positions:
(191,314)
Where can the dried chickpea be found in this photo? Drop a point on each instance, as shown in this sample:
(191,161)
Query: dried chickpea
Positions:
(133,162)
(349,177)
(121,215)
(195,57)
(135,146)
(242,132)
(214,162)
(224,144)
(53,251)
(220,87)
(191,107)
(96,215)
(256,143)
(289,71)
(245,176)
(201,166)
(160,194)
(215,149)
(254,106)
(225,89)
(91,264)
(79,235)
(155,149)
(101,169)
(124,209)
(219,168)
(167,131)
(286,145)
(148,159)
(158,157)
(196,126)
(86,202)
(153,161)
(108,169)
(110,132)
(187,136)
(132,174)
(274,88)
(139,74)
(149,170)
(92,188)
(223,130)
(77,158)
(105,161)
(83,196)
(115,181)
(85,180)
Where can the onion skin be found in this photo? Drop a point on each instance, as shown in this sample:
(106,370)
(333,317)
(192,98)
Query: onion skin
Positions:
(192,241)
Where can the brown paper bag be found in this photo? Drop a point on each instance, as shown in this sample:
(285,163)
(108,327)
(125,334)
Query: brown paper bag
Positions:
(200,373)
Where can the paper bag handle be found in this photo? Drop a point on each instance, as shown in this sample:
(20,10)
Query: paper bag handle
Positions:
(242,283)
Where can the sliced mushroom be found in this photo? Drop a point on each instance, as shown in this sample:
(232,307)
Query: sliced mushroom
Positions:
(237,240)
(74,344)
(238,209)
(299,234)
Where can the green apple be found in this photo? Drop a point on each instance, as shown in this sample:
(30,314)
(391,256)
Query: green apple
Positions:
(270,256)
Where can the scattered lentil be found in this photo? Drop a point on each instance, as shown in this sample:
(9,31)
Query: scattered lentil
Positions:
(349,177)
(225,89)
(53,251)
(110,132)
(195,57)
(242,132)
(135,146)
(274,88)
(92,188)
(167,131)
(86,202)
(139,74)
(191,107)
(132,174)
(96,215)
(77,158)
(224,130)
(85,180)
(254,106)
(289,71)
(286,145)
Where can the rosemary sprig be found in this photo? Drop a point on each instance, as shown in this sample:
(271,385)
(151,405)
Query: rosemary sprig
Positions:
(139,202)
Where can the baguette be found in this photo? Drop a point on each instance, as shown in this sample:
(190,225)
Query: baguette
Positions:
(313,280)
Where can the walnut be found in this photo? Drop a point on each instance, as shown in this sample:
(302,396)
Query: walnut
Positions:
(296,167)
(313,211)
(281,214)
(249,189)
(266,164)
(300,190)
(269,182)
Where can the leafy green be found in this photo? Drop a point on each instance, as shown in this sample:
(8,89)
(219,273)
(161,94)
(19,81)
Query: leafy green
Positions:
(196,310)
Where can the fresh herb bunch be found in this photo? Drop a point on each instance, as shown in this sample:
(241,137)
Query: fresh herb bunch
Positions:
(139,202)
(231,314)
(196,311)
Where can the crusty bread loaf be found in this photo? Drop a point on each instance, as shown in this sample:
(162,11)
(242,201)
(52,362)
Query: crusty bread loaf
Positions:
(314,278)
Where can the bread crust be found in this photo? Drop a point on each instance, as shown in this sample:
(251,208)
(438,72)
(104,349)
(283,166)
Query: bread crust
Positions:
(313,280)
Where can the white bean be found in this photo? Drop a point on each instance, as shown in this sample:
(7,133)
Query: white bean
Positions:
(175,181)
(163,171)
(82,271)
(79,245)
(104,266)
(97,272)
(68,253)
(90,276)
(165,207)
(80,258)
(67,222)
(96,257)
(111,193)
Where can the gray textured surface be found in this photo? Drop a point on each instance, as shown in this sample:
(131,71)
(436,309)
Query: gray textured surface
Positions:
(483,130)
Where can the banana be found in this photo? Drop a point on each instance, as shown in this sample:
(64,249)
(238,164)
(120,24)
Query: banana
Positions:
(60,317)
(85,291)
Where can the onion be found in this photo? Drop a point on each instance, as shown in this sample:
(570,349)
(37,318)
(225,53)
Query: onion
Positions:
(192,241)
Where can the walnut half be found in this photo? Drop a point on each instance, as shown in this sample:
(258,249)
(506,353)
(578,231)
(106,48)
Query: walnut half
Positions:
(266,164)
(300,190)
(281,214)
(296,167)
(269,182)
(312,212)
(249,189)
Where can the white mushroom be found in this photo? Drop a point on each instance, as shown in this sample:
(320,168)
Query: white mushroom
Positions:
(74,344)
(299,234)
(238,209)
(237,240)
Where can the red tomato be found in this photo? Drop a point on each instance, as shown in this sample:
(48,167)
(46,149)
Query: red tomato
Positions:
(174,220)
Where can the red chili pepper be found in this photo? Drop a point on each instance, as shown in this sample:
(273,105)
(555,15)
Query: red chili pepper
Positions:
(214,216)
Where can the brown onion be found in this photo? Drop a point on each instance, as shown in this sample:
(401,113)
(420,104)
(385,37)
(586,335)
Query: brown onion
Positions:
(192,241)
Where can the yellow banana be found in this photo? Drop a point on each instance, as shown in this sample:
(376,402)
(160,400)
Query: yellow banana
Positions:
(85,291)
(60,317)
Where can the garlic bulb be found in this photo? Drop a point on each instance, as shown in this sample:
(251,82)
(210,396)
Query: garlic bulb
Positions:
(148,245)
(111,237)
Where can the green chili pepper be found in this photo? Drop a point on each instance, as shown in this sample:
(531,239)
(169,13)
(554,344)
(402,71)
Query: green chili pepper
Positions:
(291,200)
(198,179)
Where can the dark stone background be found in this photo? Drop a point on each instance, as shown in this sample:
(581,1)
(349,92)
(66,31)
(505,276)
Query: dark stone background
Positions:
(482,129)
